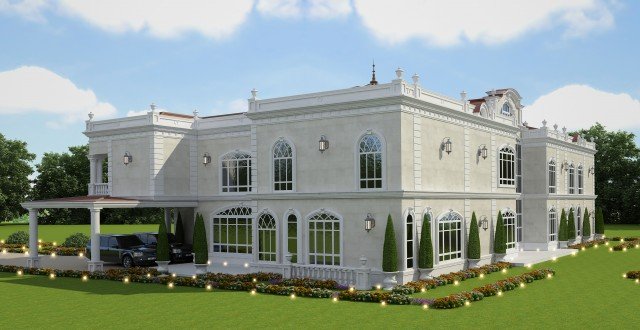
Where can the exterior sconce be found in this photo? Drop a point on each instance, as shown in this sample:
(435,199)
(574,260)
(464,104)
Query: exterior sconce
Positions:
(483,151)
(127,158)
(592,170)
(323,143)
(206,159)
(446,145)
(565,166)
(369,222)
(484,223)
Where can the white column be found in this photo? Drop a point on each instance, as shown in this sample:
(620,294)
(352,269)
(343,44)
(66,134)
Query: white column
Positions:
(92,173)
(95,264)
(34,259)
(167,219)
(98,169)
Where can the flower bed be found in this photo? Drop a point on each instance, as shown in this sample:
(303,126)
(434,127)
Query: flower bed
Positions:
(300,291)
(43,248)
(626,245)
(633,274)
(375,296)
(419,285)
(456,300)
(618,238)
(589,244)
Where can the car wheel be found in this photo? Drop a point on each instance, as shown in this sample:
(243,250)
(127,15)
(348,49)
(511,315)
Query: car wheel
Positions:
(127,261)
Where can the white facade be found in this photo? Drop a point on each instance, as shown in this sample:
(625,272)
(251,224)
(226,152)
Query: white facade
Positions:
(266,190)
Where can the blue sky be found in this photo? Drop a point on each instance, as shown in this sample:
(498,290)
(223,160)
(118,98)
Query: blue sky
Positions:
(574,64)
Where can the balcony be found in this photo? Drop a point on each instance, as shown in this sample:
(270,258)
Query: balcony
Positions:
(99,189)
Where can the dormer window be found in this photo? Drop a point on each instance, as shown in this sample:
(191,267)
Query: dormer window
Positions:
(506,109)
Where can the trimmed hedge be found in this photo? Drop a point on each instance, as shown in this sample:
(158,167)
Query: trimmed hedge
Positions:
(389,249)
(500,239)
(425,252)
(19,237)
(586,224)
(599,223)
(162,246)
(571,225)
(200,241)
(473,247)
(77,240)
(562,231)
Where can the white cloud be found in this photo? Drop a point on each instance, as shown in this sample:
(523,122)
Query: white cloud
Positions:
(446,23)
(29,9)
(32,89)
(233,106)
(580,106)
(280,8)
(327,9)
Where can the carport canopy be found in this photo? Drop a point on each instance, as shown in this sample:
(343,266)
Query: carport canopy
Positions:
(94,204)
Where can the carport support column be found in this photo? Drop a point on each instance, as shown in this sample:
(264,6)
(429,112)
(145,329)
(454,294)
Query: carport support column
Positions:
(167,219)
(95,264)
(34,260)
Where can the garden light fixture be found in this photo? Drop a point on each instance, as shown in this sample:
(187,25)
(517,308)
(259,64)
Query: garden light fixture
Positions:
(127,158)
(369,222)
(446,145)
(323,144)
(206,159)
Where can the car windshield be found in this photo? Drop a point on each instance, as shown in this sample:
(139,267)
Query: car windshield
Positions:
(151,239)
(129,241)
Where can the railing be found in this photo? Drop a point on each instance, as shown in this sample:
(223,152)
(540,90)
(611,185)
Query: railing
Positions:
(99,189)
(359,277)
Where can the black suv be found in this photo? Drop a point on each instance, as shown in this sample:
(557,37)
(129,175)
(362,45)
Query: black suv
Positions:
(178,252)
(127,250)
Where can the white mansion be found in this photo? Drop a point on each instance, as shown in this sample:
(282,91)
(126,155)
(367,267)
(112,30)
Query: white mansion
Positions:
(295,177)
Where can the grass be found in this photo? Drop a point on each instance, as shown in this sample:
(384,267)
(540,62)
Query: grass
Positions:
(588,290)
(622,230)
(59,233)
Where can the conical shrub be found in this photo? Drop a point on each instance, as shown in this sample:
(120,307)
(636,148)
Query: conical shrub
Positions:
(473,246)
(162,246)
(571,226)
(586,224)
(389,250)
(425,252)
(200,241)
(500,237)
(599,222)
(562,231)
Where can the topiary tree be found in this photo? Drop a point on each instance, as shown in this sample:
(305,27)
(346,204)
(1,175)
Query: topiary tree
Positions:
(500,237)
(586,224)
(562,231)
(179,230)
(200,241)
(571,226)
(599,222)
(162,247)
(77,240)
(425,252)
(19,237)
(473,247)
(389,249)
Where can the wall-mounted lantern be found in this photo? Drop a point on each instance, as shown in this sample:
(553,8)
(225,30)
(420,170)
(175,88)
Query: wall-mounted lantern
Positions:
(369,222)
(483,151)
(446,145)
(592,170)
(565,165)
(323,144)
(127,158)
(484,223)
(206,159)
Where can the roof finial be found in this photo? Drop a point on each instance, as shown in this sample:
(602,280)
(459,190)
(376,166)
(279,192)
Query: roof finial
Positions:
(373,75)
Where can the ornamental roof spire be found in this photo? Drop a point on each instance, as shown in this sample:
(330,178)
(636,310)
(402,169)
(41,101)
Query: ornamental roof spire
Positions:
(373,75)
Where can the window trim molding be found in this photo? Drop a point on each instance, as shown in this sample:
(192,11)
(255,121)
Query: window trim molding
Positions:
(250,175)
(571,188)
(515,227)
(555,176)
(216,212)
(410,212)
(307,219)
(299,235)
(580,179)
(555,211)
(293,166)
(463,239)
(356,156)
(513,150)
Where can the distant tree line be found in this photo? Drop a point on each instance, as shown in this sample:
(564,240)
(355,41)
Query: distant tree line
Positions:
(617,181)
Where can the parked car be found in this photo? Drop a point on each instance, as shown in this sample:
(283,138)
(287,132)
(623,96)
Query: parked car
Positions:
(127,250)
(178,252)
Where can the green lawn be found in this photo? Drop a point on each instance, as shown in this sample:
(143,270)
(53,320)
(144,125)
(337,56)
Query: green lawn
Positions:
(59,233)
(588,291)
(622,230)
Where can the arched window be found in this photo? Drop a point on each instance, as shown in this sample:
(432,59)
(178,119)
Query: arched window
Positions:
(282,166)
(553,225)
(509,220)
(236,172)
(267,238)
(450,236)
(410,230)
(292,237)
(324,239)
(580,180)
(507,165)
(579,222)
(232,231)
(552,176)
(370,150)
(506,109)
(572,179)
